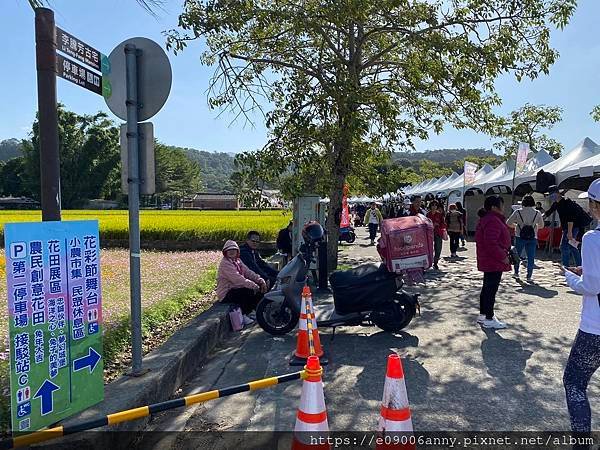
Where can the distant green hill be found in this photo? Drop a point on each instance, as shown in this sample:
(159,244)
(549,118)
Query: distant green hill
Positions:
(442,156)
(10,148)
(215,168)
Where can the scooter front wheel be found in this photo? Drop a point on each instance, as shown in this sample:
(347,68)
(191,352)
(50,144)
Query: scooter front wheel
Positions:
(351,237)
(394,315)
(276,318)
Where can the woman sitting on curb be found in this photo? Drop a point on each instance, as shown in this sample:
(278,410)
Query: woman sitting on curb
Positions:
(237,284)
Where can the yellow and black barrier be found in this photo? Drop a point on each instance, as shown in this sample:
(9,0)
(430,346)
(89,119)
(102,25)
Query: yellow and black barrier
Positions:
(145,411)
(309,326)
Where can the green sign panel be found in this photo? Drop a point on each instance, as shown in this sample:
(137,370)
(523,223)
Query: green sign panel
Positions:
(55,314)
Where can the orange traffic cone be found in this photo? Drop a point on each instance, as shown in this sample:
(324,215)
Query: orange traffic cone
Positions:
(306,327)
(395,410)
(311,430)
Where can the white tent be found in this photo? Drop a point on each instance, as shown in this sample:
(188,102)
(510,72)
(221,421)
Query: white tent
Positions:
(586,168)
(410,189)
(497,174)
(422,189)
(432,188)
(537,161)
(458,184)
(582,151)
(441,188)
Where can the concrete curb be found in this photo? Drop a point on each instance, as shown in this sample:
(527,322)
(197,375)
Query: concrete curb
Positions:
(170,366)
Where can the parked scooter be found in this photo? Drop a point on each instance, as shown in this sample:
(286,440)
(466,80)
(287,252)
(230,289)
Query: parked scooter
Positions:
(368,295)
(347,234)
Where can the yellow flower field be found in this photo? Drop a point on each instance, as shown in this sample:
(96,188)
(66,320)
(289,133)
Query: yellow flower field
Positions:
(215,226)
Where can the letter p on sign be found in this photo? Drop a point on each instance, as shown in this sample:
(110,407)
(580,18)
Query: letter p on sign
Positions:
(18,250)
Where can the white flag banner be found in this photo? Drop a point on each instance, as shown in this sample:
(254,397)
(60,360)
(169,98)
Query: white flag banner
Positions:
(470,170)
(522,156)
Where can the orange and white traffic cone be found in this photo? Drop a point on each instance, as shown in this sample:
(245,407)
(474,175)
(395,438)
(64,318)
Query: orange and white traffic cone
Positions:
(395,421)
(311,430)
(305,326)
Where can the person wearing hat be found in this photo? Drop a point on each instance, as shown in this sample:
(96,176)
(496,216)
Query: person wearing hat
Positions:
(573,219)
(584,358)
(237,284)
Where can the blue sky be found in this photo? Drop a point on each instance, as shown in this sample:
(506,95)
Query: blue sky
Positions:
(186,119)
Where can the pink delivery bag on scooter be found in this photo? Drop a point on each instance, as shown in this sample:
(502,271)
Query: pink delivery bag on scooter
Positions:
(406,243)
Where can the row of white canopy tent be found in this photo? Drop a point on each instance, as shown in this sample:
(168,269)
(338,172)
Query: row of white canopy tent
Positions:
(581,161)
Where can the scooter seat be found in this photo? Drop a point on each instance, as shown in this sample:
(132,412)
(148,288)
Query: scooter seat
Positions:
(361,275)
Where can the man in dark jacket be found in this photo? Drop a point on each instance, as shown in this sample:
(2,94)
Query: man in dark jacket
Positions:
(250,256)
(573,220)
(284,240)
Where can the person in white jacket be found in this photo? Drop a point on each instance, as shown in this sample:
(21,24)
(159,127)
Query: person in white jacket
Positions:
(584,358)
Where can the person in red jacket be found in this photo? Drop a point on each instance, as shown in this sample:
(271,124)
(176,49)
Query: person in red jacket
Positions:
(493,244)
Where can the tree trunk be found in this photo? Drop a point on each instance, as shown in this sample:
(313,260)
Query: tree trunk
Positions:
(334,216)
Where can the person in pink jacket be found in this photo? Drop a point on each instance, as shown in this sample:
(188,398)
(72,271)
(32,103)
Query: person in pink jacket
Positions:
(237,284)
(493,244)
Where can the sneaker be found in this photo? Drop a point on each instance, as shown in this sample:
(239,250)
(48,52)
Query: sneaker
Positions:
(436,267)
(529,279)
(494,323)
(516,276)
(481,318)
(247,320)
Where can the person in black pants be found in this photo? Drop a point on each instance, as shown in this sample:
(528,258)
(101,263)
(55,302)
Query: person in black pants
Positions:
(493,243)
(454,223)
(373,219)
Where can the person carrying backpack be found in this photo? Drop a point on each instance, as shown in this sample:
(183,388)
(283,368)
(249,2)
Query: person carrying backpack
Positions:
(527,221)
(573,220)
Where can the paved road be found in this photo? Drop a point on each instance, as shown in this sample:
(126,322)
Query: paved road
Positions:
(459,376)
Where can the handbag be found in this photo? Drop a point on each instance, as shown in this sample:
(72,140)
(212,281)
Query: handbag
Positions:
(445,234)
(235,317)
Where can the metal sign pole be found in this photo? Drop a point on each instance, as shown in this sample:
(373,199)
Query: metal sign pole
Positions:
(45,49)
(131,55)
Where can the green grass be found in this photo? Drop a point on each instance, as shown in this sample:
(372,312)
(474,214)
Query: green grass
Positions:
(209,226)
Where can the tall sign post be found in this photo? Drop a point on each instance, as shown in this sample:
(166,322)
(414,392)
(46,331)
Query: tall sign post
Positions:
(140,80)
(45,49)
(133,195)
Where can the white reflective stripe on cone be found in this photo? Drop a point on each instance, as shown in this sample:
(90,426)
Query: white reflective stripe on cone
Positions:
(312,390)
(394,394)
(302,326)
(394,425)
(395,397)
(303,427)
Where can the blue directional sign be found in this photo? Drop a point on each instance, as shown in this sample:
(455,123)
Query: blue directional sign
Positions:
(55,321)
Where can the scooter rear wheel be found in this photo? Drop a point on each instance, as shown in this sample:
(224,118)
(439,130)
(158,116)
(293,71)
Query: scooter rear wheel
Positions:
(276,318)
(351,237)
(394,315)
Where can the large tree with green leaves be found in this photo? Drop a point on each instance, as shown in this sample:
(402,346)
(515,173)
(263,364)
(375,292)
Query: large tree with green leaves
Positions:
(176,175)
(527,124)
(348,79)
(89,153)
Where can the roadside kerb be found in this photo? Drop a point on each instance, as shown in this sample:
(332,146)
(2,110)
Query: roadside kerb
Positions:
(170,366)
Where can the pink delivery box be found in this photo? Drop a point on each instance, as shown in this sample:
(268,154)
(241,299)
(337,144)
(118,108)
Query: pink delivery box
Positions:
(406,243)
